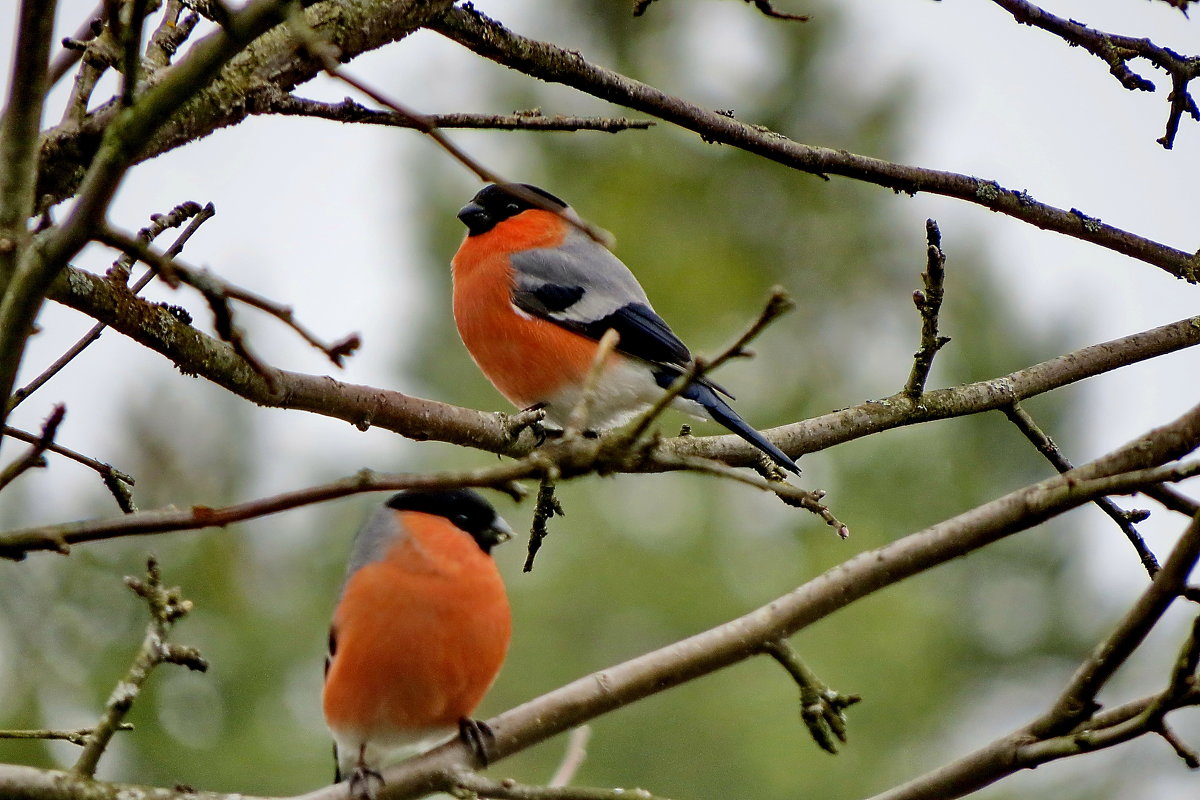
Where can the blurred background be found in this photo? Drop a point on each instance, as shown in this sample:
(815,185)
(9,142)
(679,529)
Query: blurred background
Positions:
(355,226)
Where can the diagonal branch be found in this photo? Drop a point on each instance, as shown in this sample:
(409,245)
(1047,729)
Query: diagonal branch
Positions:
(33,457)
(158,223)
(1072,726)
(548,62)
(1018,416)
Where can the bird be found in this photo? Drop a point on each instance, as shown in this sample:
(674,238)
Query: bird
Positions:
(419,632)
(534,293)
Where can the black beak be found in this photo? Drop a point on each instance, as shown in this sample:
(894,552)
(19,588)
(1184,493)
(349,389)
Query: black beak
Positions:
(476,218)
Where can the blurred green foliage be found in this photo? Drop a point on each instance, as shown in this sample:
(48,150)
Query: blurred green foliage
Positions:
(638,562)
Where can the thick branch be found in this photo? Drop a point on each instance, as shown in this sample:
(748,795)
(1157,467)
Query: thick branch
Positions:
(197,354)
(554,64)
(19,130)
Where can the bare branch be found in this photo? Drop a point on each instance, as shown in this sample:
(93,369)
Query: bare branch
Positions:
(167,607)
(929,303)
(547,506)
(1077,702)
(117,481)
(158,223)
(71,53)
(218,293)
(574,757)
(77,736)
(284,104)
(1046,446)
(33,457)
(1117,51)
(548,62)
(197,354)
(123,139)
(478,786)
(1072,726)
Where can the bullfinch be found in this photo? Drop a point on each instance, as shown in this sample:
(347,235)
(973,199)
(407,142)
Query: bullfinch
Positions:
(533,294)
(420,630)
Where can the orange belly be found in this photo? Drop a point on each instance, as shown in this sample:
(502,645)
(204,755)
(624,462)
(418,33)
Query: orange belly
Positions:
(416,648)
(528,360)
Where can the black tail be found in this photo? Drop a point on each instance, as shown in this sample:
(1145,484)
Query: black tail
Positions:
(723,414)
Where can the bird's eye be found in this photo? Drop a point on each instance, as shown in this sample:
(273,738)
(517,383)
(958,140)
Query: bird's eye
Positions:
(461,520)
(511,208)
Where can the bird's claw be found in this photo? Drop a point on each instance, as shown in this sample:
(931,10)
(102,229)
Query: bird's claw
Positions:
(530,418)
(365,783)
(477,735)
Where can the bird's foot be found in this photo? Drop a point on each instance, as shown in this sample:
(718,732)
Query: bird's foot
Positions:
(365,783)
(530,418)
(477,735)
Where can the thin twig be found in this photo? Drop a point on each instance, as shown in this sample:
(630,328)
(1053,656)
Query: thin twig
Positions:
(1117,51)
(69,57)
(1046,446)
(349,111)
(327,54)
(478,786)
(33,456)
(99,466)
(790,494)
(547,506)
(778,304)
(158,223)
(218,293)
(167,606)
(573,758)
(77,736)
(577,419)
(929,303)
(131,61)
(1077,702)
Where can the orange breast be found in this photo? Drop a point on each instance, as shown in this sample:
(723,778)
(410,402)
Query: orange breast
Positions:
(421,634)
(527,359)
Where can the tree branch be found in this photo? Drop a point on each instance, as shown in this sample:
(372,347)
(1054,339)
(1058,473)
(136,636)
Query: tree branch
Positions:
(1117,51)
(1019,417)
(167,607)
(270,64)
(194,353)
(1072,726)
(33,457)
(548,62)
(929,304)
(284,104)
